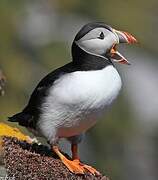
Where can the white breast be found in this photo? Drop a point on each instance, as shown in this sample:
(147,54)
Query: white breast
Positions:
(76,99)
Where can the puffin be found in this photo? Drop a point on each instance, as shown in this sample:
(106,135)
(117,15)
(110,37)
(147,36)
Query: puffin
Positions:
(69,100)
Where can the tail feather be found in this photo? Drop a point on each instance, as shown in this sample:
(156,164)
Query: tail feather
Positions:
(22,118)
(16,117)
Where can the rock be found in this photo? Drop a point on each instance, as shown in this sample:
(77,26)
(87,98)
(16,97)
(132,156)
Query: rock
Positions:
(32,161)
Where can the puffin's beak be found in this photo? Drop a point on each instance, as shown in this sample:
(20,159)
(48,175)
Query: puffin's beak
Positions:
(123,37)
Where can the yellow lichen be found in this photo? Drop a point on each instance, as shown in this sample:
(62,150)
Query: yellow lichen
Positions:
(6,130)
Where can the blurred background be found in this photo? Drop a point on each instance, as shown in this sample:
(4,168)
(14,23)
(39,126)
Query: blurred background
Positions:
(35,38)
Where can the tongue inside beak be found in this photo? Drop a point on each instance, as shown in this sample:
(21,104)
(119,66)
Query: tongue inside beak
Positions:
(123,37)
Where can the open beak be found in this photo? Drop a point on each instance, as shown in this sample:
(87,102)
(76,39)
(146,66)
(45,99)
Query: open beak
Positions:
(123,37)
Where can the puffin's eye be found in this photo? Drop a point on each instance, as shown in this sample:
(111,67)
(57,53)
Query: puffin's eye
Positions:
(101,36)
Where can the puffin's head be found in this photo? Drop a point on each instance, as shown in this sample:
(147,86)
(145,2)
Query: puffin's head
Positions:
(100,39)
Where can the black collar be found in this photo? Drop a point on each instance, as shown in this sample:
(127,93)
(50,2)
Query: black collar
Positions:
(86,61)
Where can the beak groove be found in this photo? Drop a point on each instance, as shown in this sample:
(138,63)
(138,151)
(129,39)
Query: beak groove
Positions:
(125,37)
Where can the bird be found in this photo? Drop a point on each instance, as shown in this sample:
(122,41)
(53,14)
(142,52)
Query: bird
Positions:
(69,100)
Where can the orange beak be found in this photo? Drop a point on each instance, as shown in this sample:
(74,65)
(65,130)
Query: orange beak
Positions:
(123,37)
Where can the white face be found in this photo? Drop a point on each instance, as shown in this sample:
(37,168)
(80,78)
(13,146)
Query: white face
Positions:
(98,41)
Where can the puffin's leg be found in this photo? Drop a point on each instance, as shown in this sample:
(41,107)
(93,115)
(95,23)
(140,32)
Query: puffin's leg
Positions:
(75,140)
(75,157)
(73,166)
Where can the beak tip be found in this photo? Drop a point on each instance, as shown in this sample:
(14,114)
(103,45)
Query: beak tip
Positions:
(130,38)
(133,40)
(126,62)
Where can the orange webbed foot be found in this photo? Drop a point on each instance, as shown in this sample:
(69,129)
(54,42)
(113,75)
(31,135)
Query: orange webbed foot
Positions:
(75,166)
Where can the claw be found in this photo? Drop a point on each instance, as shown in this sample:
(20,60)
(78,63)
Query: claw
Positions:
(91,169)
(87,167)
